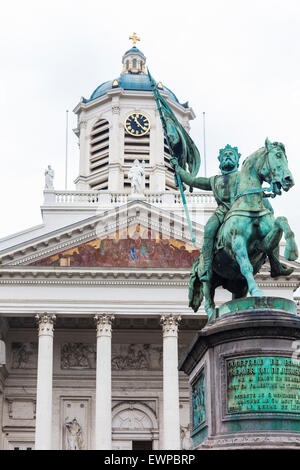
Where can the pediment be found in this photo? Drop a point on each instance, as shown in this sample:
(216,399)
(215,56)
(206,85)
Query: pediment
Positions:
(135,246)
(134,235)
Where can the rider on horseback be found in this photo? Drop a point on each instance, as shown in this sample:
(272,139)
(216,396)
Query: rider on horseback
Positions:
(224,189)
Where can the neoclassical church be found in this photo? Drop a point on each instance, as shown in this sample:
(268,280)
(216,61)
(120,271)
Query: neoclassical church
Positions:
(94,301)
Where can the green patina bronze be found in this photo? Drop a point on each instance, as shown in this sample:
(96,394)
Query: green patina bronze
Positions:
(198,402)
(243,231)
(257,303)
(263,384)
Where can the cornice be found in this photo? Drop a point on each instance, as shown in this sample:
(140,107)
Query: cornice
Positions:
(92,276)
(95,227)
(41,275)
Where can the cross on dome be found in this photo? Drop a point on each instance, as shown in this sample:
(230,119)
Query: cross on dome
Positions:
(134,38)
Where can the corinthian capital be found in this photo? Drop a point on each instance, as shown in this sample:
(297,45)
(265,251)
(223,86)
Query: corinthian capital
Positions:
(170,324)
(45,323)
(104,323)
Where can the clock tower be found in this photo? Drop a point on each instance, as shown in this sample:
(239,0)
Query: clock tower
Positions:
(119,124)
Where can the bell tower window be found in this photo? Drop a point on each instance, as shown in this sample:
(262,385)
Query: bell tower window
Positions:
(99,154)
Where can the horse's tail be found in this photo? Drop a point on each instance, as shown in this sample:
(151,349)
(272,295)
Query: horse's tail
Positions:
(196,293)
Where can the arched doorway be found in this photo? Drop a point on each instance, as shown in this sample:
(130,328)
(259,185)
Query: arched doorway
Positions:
(134,426)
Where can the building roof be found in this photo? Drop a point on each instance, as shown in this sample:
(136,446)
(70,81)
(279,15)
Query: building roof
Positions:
(129,81)
(134,50)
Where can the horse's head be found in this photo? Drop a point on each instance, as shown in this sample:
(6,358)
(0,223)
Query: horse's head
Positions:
(275,169)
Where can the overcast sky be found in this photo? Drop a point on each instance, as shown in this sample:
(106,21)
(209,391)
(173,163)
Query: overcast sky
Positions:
(239,61)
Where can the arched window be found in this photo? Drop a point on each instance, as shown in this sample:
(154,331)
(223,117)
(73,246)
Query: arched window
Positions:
(134,63)
(99,153)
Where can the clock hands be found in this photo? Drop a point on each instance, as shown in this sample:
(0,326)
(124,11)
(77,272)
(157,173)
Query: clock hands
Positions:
(139,124)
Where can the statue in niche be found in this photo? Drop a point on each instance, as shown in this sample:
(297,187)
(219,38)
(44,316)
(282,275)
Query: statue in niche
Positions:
(49,177)
(137,177)
(185,437)
(74,439)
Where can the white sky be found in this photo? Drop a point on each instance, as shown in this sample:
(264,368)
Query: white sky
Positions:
(239,61)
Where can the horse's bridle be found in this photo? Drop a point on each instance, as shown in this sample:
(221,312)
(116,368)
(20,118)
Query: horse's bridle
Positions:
(270,189)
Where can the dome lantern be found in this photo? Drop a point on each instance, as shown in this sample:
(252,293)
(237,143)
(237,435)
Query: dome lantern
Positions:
(134,60)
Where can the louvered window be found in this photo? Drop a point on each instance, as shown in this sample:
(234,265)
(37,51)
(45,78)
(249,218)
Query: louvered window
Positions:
(99,153)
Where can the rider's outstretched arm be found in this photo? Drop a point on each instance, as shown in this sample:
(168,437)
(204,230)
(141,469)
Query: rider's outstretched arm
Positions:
(196,182)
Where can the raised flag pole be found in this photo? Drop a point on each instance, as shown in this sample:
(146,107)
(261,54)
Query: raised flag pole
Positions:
(153,86)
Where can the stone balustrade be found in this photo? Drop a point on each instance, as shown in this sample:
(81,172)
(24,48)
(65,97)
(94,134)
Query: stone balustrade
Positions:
(110,198)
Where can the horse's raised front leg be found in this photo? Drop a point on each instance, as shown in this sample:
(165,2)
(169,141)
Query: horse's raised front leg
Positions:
(239,248)
(272,239)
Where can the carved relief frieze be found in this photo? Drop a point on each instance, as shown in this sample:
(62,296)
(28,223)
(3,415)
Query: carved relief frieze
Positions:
(124,356)
(24,355)
(78,356)
(137,357)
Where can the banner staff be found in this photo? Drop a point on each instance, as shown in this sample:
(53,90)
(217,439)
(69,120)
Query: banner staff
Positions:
(153,86)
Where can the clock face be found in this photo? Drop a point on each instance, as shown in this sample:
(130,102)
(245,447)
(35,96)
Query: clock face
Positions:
(137,124)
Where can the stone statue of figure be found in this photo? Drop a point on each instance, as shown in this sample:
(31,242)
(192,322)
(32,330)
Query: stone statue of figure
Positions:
(243,230)
(186,442)
(74,435)
(49,177)
(137,177)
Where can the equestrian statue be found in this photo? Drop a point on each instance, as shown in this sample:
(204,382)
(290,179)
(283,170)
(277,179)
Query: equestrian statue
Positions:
(243,232)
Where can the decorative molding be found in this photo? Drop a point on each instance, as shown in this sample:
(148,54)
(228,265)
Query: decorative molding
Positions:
(45,323)
(170,324)
(115,109)
(253,441)
(104,324)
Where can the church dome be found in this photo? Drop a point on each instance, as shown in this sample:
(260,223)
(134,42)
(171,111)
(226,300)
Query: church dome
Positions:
(129,81)
(133,77)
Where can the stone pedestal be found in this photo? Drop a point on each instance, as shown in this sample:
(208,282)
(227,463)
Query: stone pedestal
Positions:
(244,373)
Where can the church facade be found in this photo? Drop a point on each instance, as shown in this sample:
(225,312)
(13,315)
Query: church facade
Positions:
(93,301)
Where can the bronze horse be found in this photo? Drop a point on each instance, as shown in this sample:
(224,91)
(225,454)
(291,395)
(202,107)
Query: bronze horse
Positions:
(250,232)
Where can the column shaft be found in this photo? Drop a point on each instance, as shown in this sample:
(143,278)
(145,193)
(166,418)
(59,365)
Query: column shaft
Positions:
(43,430)
(103,383)
(171,430)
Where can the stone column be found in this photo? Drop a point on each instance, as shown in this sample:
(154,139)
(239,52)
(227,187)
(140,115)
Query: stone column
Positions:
(43,429)
(103,382)
(171,424)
